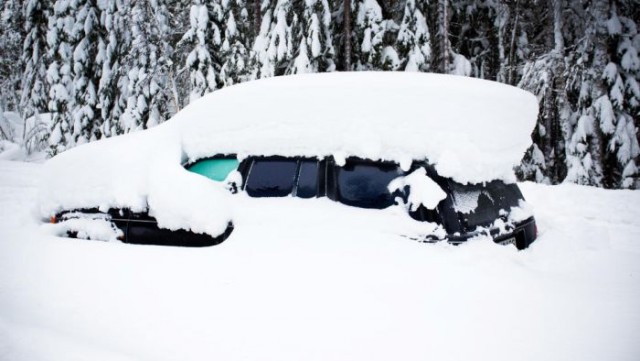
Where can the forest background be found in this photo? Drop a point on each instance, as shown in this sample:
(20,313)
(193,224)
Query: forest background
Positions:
(75,71)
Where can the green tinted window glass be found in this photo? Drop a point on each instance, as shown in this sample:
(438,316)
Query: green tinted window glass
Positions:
(215,169)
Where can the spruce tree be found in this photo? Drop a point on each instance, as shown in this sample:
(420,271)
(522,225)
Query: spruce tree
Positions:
(373,33)
(413,43)
(205,37)
(111,52)
(235,44)
(148,67)
(273,47)
(60,77)
(34,58)
(34,84)
(315,50)
(11,39)
(621,76)
(87,69)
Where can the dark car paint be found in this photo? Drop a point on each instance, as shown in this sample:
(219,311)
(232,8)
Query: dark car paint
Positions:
(140,228)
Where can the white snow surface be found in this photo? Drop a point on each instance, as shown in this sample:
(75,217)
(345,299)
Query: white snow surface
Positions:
(316,280)
(471,130)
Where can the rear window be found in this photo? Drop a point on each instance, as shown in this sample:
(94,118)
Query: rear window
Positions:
(216,169)
(480,205)
(364,184)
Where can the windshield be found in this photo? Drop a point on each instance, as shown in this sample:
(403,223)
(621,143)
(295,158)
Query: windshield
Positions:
(364,184)
(480,205)
(216,169)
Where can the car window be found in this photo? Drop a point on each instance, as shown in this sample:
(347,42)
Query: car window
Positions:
(480,205)
(364,184)
(216,169)
(271,177)
(308,179)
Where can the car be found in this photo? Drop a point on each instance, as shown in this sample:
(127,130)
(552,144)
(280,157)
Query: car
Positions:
(468,211)
(439,173)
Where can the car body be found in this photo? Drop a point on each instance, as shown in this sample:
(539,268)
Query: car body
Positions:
(468,211)
(446,158)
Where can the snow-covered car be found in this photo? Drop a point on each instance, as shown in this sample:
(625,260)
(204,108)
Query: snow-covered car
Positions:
(441,148)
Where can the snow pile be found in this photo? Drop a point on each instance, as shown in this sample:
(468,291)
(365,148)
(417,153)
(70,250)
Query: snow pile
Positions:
(471,130)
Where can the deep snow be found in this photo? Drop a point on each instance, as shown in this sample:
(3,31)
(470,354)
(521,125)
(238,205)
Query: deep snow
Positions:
(316,280)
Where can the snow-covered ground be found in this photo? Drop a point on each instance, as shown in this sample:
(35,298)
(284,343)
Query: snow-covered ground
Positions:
(315,280)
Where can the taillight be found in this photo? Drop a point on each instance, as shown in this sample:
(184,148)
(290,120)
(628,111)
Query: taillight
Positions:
(53,220)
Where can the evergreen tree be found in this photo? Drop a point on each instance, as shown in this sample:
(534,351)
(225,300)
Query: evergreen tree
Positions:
(34,58)
(373,34)
(315,51)
(594,121)
(148,67)
(112,91)
(447,59)
(413,43)
(273,47)
(235,46)
(206,37)
(544,77)
(621,77)
(60,76)
(87,68)
(34,84)
(11,39)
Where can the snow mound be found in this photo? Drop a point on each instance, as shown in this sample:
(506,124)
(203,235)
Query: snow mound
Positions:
(471,130)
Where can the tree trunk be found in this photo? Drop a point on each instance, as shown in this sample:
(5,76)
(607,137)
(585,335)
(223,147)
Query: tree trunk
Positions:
(347,34)
(444,46)
(599,15)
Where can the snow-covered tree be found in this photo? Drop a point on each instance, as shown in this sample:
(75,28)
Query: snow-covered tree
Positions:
(87,68)
(372,50)
(273,47)
(413,43)
(11,40)
(111,52)
(60,76)
(621,76)
(235,44)
(315,50)
(546,159)
(205,35)
(594,121)
(34,58)
(148,66)
(447,57)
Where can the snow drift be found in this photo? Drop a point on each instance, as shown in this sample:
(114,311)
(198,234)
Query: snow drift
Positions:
(471,130)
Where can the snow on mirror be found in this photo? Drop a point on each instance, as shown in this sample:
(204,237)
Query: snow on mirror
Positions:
(422,189)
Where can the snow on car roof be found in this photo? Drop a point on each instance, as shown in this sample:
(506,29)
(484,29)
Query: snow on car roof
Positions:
(471,130)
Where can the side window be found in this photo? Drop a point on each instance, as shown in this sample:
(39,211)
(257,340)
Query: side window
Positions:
(308,179)
(364,183)
(271,177)
(216,169)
